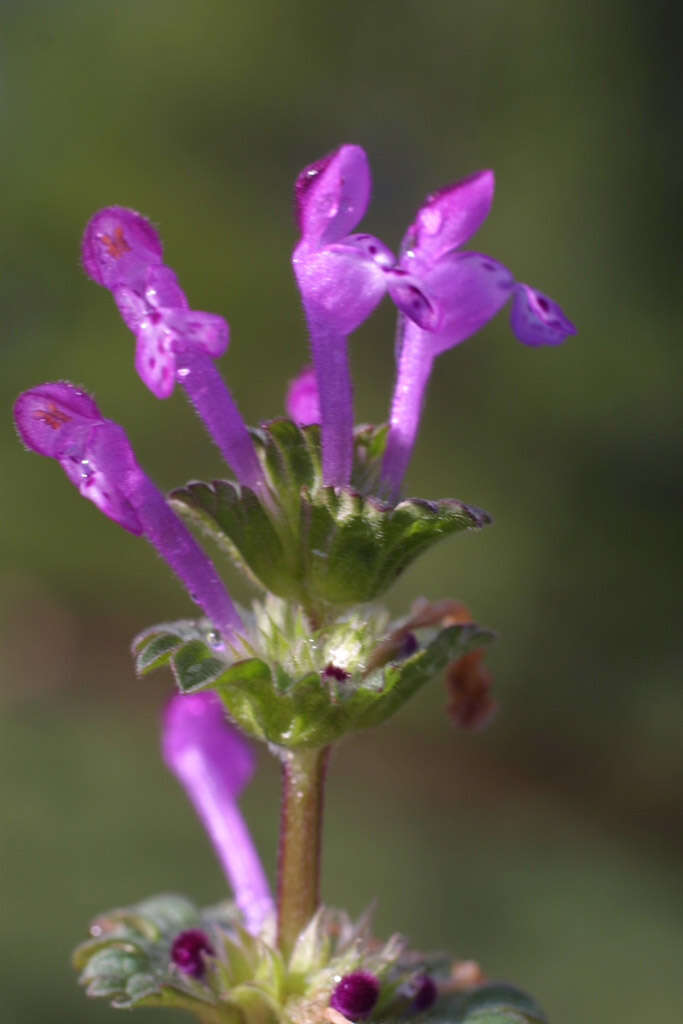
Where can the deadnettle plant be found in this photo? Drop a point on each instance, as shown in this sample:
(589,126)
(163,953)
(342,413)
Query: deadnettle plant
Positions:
(315,517)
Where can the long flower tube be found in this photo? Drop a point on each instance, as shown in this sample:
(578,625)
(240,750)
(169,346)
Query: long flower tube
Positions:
(123,252)
(213,763)
(61,422)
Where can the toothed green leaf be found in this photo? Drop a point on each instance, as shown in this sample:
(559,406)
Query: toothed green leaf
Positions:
(286,696)
(322,547)
(495,1003)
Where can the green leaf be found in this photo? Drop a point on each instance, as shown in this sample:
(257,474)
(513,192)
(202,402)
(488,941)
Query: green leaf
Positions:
(168,912)
(402,681)
(225,510)
(196,667)
(156,646)
(290,456)
(282,695)
(352,556)
(109,971)
(128,959)
(495,1003)
(312,948)
(415,525)
(255,1006)
(323,547)
(156,653)
(248,693)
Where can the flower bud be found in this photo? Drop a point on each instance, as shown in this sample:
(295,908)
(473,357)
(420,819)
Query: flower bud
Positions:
(189,950)
(355,995)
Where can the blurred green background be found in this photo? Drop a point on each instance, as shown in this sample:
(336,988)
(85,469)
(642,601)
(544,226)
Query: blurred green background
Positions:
(548,848)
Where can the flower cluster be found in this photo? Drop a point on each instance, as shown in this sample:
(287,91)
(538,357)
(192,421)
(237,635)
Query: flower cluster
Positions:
(443,296)
(314,516)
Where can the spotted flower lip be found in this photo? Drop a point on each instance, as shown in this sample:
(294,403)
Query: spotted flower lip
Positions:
(189,950)
(64,423)
(122,251)
(537,320)
(214,763)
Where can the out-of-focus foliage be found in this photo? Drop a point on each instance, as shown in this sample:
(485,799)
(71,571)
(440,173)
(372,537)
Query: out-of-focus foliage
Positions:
(546,848)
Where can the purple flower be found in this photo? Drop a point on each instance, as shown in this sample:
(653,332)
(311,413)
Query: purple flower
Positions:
(355,995)
(467,289)
(214,763)
(303,404)
(63,423)
(123,252)
(339,289)
(188,952)
(443,296)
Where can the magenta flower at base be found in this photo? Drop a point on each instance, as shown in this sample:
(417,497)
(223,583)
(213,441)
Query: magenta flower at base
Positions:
(123,252)
(188,952)
(355,995)
(64,423)
(213,762)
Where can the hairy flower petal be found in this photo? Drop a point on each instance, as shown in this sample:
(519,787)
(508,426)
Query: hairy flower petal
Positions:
(162,290)
(332,195)
(410,298)
(118,246)
(205,330)
(469,289)
(448,218)
(102,470)
(51,419)
(339,287)
(198,721)
(154,356)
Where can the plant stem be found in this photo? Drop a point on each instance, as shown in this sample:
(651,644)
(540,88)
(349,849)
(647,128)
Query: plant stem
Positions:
(303,778)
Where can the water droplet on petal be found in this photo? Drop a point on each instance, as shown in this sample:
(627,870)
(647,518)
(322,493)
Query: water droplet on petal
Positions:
(214,640)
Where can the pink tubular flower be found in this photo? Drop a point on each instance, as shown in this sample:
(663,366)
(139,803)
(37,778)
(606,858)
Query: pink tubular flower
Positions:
(123,252)
(443,296)
(63,423)
(213,762)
